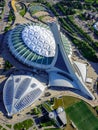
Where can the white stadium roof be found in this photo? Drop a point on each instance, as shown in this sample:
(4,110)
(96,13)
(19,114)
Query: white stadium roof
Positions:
(39,40)
(34,45)
(20,92)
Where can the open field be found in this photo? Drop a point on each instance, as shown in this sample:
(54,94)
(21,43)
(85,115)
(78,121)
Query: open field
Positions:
(65,101)
(82,117)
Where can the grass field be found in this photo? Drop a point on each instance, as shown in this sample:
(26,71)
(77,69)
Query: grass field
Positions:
(65,101)
(82,117)
(26,124)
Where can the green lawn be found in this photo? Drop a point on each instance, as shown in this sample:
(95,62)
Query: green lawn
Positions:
(48,123)
(82,117)
(25,124)
(22,11)
(65,101)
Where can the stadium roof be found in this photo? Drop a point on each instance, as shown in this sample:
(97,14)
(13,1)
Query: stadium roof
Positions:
(20,92)
(40,40)
(34,45)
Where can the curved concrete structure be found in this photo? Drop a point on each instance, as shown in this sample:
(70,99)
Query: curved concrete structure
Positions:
(67,70)
(34,45)
(20,92)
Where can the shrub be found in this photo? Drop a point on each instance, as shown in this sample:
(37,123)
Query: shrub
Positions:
(8,65)
(7,28)
(11,16)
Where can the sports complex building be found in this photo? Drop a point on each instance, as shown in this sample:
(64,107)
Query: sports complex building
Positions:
(34,45)
(43,47)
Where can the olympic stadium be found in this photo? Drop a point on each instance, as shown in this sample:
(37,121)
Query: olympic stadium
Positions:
(34,45)
(43,47)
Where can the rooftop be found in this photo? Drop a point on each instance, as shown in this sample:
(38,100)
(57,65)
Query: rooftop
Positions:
(20,92)
(39,40)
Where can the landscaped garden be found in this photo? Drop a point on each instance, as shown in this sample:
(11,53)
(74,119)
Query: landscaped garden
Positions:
(24,125)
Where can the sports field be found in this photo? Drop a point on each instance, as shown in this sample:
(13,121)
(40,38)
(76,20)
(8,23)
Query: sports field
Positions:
(82,117)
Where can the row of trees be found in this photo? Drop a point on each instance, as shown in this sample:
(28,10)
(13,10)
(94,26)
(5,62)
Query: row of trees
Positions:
(65,10)
(78,4)
(87,38)
(86,50)
(11,16)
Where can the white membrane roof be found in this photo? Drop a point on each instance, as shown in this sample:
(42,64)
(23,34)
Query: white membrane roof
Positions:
(20,92)
(39,40)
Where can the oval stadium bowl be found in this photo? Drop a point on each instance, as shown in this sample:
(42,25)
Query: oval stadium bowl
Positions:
(33,45)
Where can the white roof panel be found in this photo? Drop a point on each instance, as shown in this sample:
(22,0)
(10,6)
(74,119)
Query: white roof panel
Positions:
(19,93)
(39,40)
